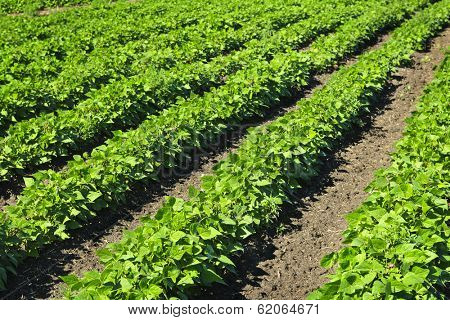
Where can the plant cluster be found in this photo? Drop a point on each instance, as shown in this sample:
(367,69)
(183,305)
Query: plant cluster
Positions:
(190,243)
(397,241)
(17,6)
(55,202)
(46,75)
(125,104)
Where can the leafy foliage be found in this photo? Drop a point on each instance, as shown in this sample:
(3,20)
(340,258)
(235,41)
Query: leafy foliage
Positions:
(53,203)
(43,76)
(189,243)
(15,6)
(398,240)
(127,102)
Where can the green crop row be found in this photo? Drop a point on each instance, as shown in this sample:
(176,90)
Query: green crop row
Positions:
(53,203)
(72,79)
(20,30)
(16,6)
(190,243)
(75,35)
(120,21)
(54,73)
(35,57)
(126,103)
(107,23)
(398,243)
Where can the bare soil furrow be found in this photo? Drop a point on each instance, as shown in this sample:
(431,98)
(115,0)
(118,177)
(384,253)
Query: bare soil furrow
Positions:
(39,278)
(284,262)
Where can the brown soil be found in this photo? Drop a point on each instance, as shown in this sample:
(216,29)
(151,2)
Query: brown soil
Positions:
(9,192)
(39,278)
(287,266)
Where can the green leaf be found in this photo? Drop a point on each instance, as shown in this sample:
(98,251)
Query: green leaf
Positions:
(328,261)
(104,255)
(187,279)
(262,183)
(416,276)
(378,288)
(125,285)
(178,205)
(177,235)
(154,291)
(209,233)
(70,279)
(209,276)
(378,244)
(29,182)
(226,260)
(173,273)
(92,196)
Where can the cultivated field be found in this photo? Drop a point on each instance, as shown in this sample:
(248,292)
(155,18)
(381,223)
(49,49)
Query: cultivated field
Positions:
(269,149)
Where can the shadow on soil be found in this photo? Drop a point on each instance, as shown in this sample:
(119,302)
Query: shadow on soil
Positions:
(37,277)
(259,248)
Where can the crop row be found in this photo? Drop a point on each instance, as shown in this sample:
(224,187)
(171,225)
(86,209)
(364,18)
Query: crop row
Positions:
(29,31)
(126,103)
(190,243)
(80,73)
(138,31)
(15,6)
(398,243)
(53,203)
(35,57)
(96,23)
